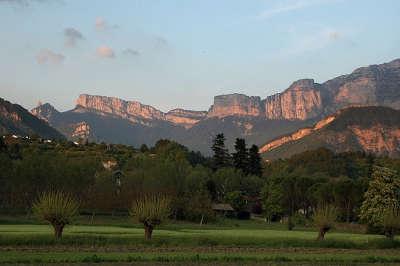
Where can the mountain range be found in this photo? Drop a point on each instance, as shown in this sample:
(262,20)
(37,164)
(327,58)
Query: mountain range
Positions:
(305,102)
(296,119)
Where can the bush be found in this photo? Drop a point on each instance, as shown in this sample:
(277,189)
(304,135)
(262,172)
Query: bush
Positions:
(57,208)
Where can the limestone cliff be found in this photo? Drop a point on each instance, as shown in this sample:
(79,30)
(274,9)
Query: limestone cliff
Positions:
(302,100)
(236,104)
(186,118)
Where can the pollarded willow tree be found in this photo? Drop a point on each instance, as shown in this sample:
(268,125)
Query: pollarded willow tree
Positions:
(382,200)
(151,210)
(324,219)
(57,208)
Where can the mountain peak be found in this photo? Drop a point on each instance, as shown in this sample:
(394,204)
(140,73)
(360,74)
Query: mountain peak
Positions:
(45,111)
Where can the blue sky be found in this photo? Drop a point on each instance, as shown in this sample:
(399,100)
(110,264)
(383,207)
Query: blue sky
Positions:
(176,53)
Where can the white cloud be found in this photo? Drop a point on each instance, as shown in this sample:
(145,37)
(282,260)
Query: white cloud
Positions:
(105,52)
(46,56)
(291,5)
(72,36)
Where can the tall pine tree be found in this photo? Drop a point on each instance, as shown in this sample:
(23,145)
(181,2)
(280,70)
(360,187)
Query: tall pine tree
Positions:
(254,164)
(221,156)
(240,156)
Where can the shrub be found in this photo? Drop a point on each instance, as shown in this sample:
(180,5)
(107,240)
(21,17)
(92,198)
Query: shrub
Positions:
(57,208)
(151,210)
(324,219)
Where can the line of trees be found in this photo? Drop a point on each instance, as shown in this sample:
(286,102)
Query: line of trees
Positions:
(294,189)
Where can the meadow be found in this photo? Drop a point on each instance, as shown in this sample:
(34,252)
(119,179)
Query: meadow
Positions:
(117,240)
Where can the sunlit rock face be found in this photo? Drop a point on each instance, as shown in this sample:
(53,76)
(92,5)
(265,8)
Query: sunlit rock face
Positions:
(301,101)
(236,104)
(185,118)
(119,107)
(378,139)
(81,130)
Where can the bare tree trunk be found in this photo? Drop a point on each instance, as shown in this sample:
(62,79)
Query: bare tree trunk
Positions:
(92,217)
(390,234)
(58,230)
(148,231)
(321,234)
(202,218)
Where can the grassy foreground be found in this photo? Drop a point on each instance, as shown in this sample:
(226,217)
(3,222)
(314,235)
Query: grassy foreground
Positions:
(243,242)
(96,257)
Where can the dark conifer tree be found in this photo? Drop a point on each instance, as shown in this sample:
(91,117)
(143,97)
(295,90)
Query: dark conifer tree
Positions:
(254,165)
(221,156)
(240,156)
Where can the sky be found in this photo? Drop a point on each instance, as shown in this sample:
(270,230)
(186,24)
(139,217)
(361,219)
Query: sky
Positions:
(181,53)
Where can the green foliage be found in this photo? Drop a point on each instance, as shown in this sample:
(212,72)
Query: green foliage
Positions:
(383,193)
(57,208)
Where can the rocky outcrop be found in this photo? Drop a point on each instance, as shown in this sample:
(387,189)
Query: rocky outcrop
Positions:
(301,101)
(81,130)
(185,118)
(236,105)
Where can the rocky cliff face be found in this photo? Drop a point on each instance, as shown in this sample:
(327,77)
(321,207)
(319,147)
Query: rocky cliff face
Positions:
(130,110)
(301,101)
(375,85)
(186,118)
(137,112)
(236,104)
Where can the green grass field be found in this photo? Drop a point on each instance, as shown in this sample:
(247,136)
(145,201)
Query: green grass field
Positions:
(117,240)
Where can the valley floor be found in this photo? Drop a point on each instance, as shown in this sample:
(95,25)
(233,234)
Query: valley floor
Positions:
(117,241)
